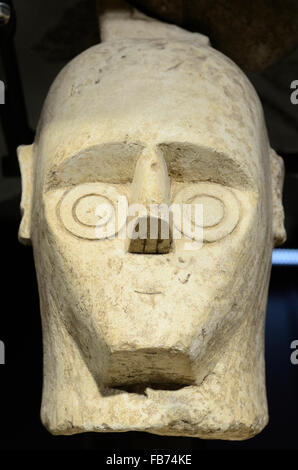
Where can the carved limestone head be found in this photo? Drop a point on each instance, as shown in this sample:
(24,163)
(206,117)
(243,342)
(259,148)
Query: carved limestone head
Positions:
(148,335)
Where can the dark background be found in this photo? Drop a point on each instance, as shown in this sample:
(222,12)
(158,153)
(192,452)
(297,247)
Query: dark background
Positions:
(50,33)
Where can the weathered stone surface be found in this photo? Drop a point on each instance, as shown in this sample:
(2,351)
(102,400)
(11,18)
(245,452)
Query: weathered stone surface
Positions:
(169,343)
(118,19)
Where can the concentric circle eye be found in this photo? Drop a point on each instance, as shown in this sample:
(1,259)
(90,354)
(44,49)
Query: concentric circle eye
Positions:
(90,211)
(217,207)
(86,209)
(213,209)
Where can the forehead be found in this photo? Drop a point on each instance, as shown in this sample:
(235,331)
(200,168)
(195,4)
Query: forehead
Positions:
(152,93)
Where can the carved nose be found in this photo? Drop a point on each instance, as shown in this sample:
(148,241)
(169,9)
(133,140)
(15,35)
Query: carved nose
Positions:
(150,229)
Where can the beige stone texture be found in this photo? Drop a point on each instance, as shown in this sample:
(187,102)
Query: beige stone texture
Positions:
(164,340)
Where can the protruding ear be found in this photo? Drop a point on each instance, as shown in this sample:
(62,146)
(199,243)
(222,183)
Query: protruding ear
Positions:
(25,157)
(277,172)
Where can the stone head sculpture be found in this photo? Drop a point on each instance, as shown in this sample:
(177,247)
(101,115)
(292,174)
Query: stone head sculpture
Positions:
(147,335)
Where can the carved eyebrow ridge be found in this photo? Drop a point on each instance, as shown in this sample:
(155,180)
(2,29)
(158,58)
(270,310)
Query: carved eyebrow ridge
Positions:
(108,162)
(189,162)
